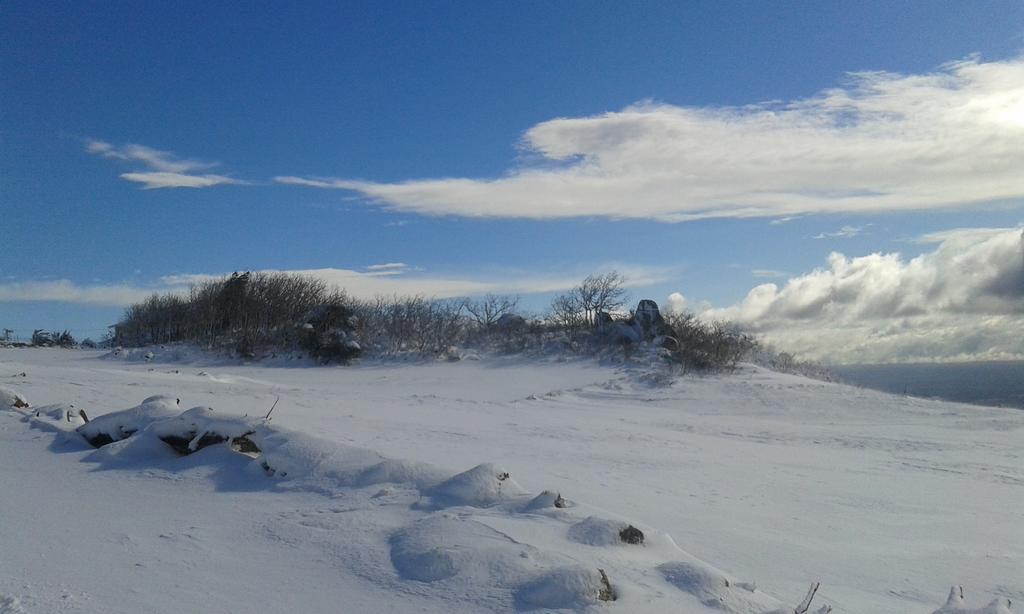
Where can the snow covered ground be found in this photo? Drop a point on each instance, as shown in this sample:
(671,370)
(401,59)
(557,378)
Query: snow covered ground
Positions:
(378,491)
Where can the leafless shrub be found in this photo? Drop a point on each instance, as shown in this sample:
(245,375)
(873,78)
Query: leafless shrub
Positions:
(488,310)
(579,307)
(707,346)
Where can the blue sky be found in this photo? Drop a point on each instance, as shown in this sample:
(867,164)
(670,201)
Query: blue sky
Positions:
(493,146)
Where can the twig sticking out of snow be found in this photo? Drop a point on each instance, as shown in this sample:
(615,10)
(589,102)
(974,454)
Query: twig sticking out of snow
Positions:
(806,603)
(267,417)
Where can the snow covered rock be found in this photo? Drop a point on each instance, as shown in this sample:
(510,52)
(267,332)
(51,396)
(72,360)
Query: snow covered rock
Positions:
(632,535)
(10,398)
(545,500)
(58,417)
(197,428)
(481,486)
(594,531)
(119,425)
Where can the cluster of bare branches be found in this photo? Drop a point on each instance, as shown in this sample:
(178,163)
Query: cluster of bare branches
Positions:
(579,308)
(396,325)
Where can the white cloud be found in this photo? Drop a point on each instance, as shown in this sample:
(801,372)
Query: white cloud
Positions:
(166,169)
(677,303)
(387,268)
(964,300)
(880,142)
(385,279)
(154,180)
(64,291)
(846,232)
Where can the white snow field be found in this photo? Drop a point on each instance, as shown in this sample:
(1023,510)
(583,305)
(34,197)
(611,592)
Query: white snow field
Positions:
(382,487)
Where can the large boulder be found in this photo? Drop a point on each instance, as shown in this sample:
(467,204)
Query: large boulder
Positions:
(648,320)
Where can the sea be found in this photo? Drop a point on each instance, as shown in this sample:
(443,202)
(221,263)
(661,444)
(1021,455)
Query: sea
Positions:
(994,383)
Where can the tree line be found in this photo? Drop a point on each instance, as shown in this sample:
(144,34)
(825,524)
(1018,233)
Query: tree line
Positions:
(252,313)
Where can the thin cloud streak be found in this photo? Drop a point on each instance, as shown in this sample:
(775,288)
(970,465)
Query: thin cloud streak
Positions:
(157,180)
(881,142)
(846,232)
(165,169)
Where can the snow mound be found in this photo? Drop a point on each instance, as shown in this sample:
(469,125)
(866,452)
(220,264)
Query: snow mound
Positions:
(714,588)
(10,398)
(119,425)
(444,546)
(565,588)
(481,486)
(956,604)
(392,471)
(594,531)
(290,454)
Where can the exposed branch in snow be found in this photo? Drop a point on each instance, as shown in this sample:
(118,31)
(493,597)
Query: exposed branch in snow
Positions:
(806,603)
(267,417)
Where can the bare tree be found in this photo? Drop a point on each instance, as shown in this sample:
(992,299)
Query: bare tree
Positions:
(489,309)
(579,307)
(567,312)
(601,293)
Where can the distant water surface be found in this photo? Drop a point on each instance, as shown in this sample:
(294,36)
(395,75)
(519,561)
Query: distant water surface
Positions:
(980,383)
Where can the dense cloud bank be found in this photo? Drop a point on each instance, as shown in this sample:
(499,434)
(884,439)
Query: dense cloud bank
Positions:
(962,301)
